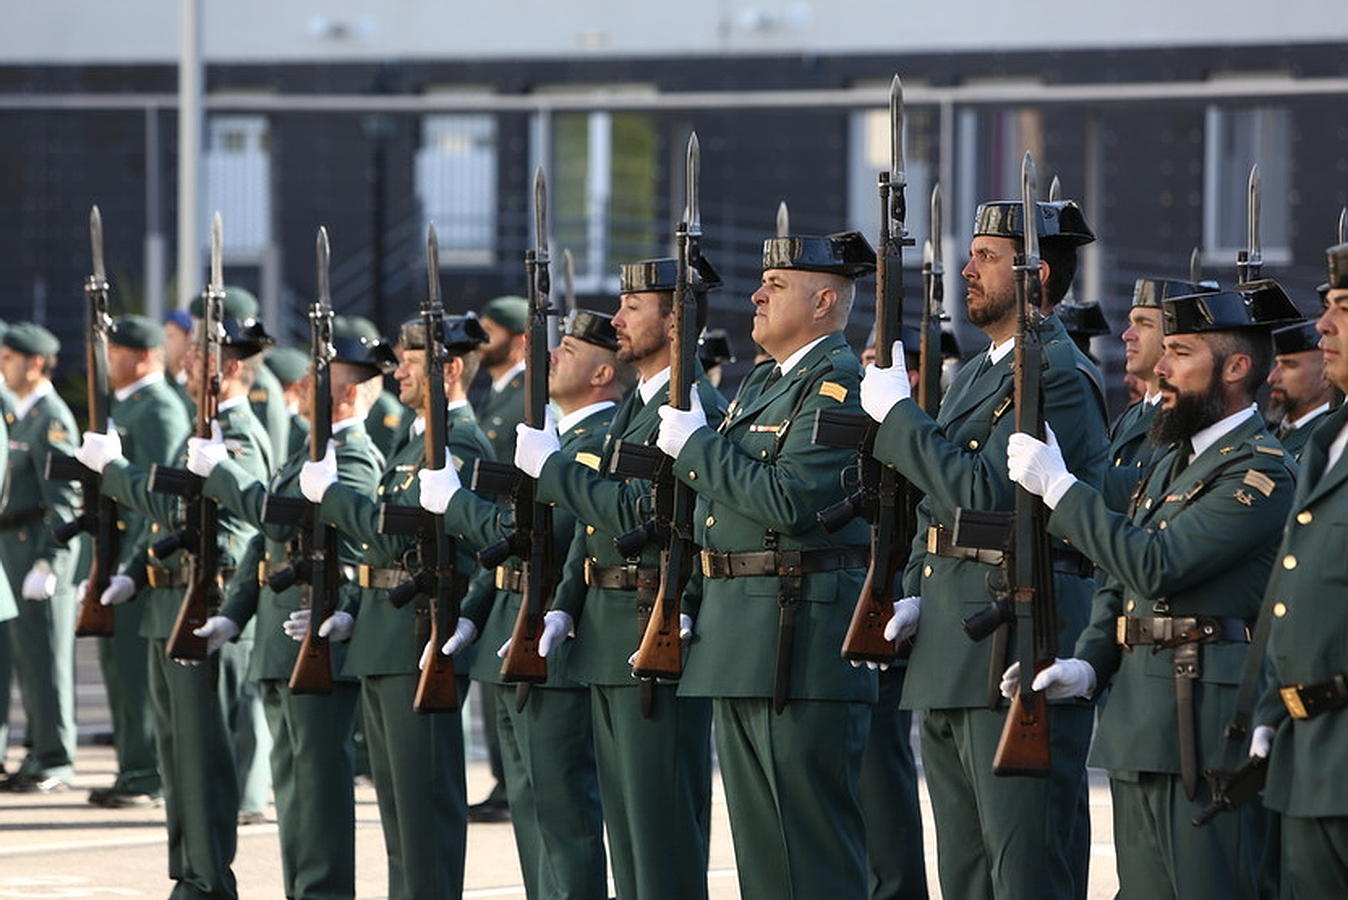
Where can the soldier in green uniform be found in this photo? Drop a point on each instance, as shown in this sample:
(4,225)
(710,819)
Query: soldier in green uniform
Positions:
(310,761)
(651,746)
(266,395)
(1130,451)
(1302,728)
(548,746)
(177,337)
(502,408)
(792,717)
(388,420)
(416,759)
(9,610)
(1008,837)
(151,423)
(41,573)
(1300,394)
(1182,575)
(290,366)
(197,759)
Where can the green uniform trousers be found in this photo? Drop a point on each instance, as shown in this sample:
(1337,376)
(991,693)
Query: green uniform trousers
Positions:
(889,804)
(416,760)
(42,643)
(489,692)
(312,772)
(654,780)
(125,663)
(241,699)
(1027,847)
(6,667)
(201,791)
(791,784)
(1160,854)
(548,753)
(1314,858)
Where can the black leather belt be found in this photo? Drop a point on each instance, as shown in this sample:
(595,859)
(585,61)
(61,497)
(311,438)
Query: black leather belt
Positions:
(10,521)
(783,562)
(160,577)
(1306,701)
(629,577)
(1171,631)
(384,579)
(1065,560)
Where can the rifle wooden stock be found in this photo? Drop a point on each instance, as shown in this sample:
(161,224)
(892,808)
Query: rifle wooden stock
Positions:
(660,654)
(865,638)
(94,618)
(437,687)
(199,603)
(312,673)
(522,664)
(1023,748)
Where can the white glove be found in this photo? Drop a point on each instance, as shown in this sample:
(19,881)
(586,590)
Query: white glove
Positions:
(337,627)
(1262,741)
(533,446)
(557,627)
(678,425)
(204,454)
(40,582)
(437,488)
(881,389)
(465,632)
(317,477)
(120,589)
(97,450)
(1064,678)
(903,624)
(1038,467)
(296,625)
(218,631)
(685,627)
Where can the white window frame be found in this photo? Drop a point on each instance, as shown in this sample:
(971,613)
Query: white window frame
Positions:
(466,226)
(1215,177)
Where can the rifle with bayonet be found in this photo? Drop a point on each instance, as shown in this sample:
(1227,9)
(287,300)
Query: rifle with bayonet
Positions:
(1250,261)
(660,653)
(198,537)
(99,517)
(882,493)
(933,302)
(531,539)
(316,566)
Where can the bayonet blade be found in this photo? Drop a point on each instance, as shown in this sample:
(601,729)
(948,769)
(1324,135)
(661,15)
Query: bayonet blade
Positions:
(1029,185)
(897,171)
(1252,239)
(692,212)
(96,244)
(569,280)
(783,220)
(321,254)
(1054,190)
(540,214)
(1195,266)
(936,225)
(1343,225)
(432,268)
(217,284)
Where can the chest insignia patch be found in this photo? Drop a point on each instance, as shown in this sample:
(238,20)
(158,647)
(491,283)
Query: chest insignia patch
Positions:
(1259,481)
(770,429)
(391,420)
(1244,496)
(833,391)
(590,460)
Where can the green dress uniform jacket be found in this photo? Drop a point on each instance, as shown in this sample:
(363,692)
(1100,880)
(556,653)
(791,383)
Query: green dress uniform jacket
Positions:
(548,747)
(655,770)
(791,779)
(267,398)
(43,634)
(1129,453)
(9,610)
(310,761)
(387,423)
(1199,542)
(196,747)
(499,413)
(150,423)
(298,435)
(424,817)
(1295,441)
(1016,837)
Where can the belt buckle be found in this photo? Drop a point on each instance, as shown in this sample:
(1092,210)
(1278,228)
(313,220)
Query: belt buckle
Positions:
(707,564)
(364,576)
(1291,698)
(1121,632)
(261,573)
(933,539)
(589,571)
(499,577)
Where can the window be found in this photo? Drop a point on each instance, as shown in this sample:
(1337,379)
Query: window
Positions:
(456,185)
(1236,139)
(869,155)
(237,168)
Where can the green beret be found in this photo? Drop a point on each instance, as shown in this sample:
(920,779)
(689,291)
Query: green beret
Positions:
(287,364)
(354,327)
(511,313)
(239,304)
(31,340)
(136,332)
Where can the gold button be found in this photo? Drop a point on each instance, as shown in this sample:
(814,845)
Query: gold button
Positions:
(1161,525)
(711,520)
(692,476)
(926,571)
(1147,504)
(1304,517)
(973,445)
(763,454)
(1289,561)
(1132,604)
(589,529)
(1279,609)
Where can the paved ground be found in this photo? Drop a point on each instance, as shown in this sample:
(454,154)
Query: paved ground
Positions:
(60,846)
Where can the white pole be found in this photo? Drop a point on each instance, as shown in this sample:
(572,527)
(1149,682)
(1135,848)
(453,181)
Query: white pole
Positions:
(190,274)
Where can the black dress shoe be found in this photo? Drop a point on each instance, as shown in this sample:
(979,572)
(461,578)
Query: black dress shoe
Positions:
(34,784)
(489,811)
(98,795)
(129,800)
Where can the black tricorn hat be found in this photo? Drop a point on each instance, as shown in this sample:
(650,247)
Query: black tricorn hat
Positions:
(356,341)
(662,275)
(1151,291)
(1057,220)
(1255,304)
(593,328)
(1083,319)
(713,348)
(241,338)
(460,334)
(1338,267)
(1296,338)
(845,253)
